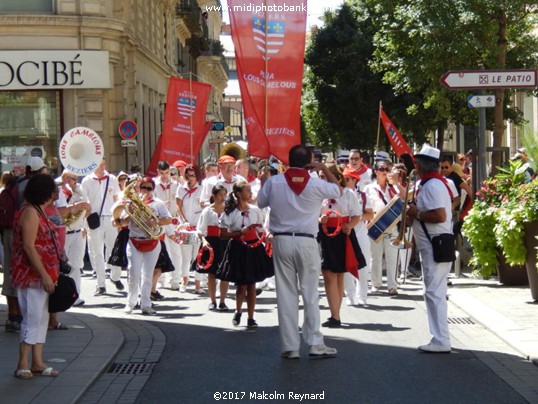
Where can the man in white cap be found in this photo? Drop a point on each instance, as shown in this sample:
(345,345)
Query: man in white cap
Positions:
(432,212)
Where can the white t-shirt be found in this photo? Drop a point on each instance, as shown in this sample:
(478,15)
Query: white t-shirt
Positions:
(346,205)
(190,202)
(291,212)
(95,190)
(379,197)
(159,208)
(208,185)
(432,195)
(237,219)
(167,193)
(208,217)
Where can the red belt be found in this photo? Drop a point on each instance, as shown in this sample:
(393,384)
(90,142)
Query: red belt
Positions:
(337,221)
(250,236)
(144,245)
(213,231)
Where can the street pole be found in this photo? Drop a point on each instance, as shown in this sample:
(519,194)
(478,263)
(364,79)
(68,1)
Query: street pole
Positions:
(481,158)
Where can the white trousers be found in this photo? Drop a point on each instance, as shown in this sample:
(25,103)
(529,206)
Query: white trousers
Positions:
(189,253)
(297,258)
(75,246)
(105,235)
(359,289)
(34,304)
(435,290)
(376,261)
(174,251)
(141,267)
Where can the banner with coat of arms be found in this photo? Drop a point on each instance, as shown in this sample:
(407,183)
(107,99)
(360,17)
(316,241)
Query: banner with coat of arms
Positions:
(184,127)
(269,47)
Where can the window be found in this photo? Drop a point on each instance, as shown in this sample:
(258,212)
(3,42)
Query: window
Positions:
(29,126)
(26,6)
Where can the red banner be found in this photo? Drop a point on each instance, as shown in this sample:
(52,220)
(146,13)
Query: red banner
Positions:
(184,128)
(269,48)
(396,139)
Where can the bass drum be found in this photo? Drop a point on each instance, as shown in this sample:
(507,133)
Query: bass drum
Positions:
(81,151)
(386,220)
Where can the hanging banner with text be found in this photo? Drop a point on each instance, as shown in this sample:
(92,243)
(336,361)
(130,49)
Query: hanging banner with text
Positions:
(269,48)
(184,128)
(397,141)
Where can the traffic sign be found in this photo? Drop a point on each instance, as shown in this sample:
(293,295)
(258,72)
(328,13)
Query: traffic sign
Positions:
(217,126)
(481,101)
(128,130)
(473,79)
(128,143)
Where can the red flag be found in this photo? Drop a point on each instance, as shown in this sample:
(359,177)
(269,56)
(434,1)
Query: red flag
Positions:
(169,155)
(269,49)
(396,139)
(184,119)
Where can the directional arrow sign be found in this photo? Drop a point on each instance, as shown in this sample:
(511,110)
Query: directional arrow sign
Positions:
(481,101)
(473,79)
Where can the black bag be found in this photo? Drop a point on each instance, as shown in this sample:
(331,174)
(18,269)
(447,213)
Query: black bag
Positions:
(443,245)
(65,268)
(444,248)
(65,294)
(94,221)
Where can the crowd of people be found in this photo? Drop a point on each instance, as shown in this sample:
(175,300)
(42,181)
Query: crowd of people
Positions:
(250,222)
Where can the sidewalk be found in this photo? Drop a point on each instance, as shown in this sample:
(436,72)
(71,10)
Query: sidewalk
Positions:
(91,345)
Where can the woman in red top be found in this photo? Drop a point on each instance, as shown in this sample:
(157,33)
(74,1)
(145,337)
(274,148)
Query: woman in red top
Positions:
(35,269)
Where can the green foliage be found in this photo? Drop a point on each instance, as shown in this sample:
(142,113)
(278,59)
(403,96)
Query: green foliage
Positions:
(477,228)
(510,234)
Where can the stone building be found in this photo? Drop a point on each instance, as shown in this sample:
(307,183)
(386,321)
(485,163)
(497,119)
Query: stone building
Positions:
(96,63)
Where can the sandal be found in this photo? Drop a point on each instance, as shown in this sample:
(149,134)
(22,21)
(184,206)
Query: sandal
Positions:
(23,374)
(50,372)
(59,326)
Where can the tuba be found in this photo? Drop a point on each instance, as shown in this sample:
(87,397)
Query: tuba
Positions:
(139,212)
(72,217)
(234,150)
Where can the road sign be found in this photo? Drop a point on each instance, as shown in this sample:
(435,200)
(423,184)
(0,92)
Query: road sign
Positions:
(128,143)
(128,130)
(217,126)
(473,79)
(218,140)
(481,101)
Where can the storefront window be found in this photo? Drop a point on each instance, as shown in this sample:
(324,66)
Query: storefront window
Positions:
(26,6)
(29,126)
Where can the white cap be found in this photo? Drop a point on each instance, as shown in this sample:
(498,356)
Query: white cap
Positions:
(430,153)
(381,155)
(35,163)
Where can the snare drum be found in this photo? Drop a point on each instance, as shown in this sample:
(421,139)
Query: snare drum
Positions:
(386,220)
(188,237)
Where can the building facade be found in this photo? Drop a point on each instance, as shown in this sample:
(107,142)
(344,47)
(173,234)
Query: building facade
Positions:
(92,63)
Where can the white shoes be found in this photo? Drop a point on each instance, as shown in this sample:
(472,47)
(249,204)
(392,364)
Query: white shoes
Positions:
(290,355)
(374,289)
(322,351)
(174,285)
(128,309)
(434,348)
(182,288)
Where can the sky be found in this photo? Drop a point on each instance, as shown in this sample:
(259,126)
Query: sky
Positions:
(315,9)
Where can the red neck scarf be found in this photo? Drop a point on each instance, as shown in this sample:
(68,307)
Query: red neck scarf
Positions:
(189,192)
(362,170)
(297,178)
(165,187)
(104,177)
(426,177)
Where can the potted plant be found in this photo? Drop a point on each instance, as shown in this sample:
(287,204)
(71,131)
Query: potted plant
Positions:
(493,224)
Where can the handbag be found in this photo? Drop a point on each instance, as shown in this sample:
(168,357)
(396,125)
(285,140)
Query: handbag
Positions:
(94,219)
(64,296)
(443,245)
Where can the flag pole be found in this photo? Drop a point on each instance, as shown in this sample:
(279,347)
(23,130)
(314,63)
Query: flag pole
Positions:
(378,124)
(266,120)
(190,106)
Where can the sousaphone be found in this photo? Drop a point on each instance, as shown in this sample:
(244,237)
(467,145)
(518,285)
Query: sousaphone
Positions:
(234,150)
(81,151)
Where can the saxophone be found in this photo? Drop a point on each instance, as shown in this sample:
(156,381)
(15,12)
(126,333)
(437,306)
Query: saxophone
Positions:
(139,212)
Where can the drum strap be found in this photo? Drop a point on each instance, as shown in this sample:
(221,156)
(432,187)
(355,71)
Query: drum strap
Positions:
(392,193)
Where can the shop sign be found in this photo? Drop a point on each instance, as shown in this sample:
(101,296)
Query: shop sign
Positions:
(66,69)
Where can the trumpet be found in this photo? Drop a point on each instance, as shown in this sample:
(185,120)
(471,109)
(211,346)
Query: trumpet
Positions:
(140,213)
(401,242)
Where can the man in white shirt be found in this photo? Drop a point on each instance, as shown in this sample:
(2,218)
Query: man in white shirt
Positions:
(244,169)
(226,178)
(295,200)
(102,191)
(433,209)
(356,163)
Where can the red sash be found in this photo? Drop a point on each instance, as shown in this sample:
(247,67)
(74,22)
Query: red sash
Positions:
(213,231)
(250,236)
(297,178)
(334,221)
(144,245)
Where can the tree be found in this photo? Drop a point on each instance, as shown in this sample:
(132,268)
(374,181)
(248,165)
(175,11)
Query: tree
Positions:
(417,41)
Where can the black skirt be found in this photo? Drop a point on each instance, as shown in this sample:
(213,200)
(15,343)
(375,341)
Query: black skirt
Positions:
(333,250)
(119,251)
(219,246)
(164,262)
(243,265)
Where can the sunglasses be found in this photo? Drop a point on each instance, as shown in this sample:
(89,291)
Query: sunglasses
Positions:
(146,188)
(190,175)
(383,170)
(355,158)
(445,167)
